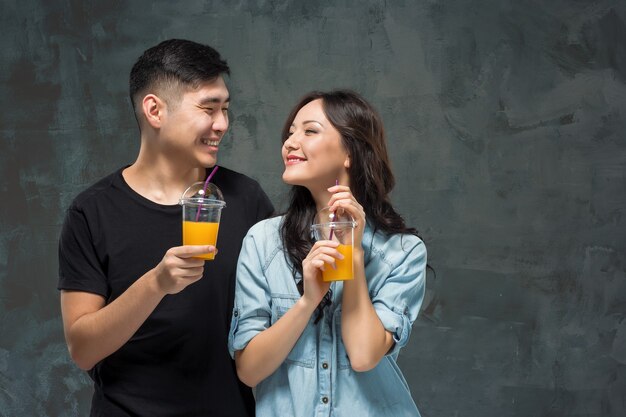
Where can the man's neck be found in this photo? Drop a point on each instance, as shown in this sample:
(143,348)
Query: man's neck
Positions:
(161,179)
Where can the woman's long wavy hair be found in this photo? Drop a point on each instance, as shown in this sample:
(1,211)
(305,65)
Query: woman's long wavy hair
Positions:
(371,179)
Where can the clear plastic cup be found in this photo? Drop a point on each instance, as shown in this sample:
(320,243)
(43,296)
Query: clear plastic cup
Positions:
(338,227)
(202,209)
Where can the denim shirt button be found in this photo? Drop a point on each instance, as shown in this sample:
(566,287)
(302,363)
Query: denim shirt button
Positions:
(236,313)
(325,365)
(325,400)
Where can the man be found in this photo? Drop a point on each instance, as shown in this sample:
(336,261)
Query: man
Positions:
(141,314)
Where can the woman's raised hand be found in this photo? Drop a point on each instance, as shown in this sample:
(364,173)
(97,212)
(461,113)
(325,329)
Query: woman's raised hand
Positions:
(342,199)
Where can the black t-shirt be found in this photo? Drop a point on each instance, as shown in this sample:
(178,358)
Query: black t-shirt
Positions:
(177,363)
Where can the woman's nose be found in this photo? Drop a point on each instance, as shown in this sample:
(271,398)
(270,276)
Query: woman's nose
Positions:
(290,143)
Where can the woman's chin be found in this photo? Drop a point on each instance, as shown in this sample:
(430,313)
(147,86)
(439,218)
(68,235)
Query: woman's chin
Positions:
(289,179)
(297,183)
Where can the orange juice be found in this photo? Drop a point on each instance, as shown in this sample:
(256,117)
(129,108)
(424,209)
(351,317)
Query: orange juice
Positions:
(200,233)
(344,266)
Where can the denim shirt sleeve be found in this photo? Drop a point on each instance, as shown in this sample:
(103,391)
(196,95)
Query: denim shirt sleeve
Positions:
(398,301)
(252,308)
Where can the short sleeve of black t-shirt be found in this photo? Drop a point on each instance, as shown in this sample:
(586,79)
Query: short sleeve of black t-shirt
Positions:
(79,266)
(177,363)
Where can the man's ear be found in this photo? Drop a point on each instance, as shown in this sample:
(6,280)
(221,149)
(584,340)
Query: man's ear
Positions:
(152,108)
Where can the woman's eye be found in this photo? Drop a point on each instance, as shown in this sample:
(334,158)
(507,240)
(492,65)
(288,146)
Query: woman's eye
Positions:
(310,131)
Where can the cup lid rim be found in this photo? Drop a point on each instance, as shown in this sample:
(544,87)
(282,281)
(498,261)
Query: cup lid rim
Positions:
(202,200)
(334,224)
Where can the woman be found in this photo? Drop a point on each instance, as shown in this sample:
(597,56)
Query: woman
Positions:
(311,347)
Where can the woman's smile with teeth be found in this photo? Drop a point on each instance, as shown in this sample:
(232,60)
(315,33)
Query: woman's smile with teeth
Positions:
(294,160)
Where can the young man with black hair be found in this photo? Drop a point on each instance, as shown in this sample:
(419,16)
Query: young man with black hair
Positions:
(140,313)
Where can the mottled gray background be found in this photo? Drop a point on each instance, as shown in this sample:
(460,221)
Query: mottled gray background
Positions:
(506,123)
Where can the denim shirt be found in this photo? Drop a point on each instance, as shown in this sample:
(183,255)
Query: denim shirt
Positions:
(316,379)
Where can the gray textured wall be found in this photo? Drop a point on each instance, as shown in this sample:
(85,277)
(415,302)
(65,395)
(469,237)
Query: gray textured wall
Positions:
(506,123)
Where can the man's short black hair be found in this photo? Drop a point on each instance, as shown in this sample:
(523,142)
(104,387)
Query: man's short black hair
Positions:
(172,64)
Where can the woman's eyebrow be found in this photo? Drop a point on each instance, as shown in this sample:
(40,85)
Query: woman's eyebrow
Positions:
(313,121)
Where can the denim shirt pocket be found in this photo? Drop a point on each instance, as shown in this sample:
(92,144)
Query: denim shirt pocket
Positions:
(304,351)
(343,361)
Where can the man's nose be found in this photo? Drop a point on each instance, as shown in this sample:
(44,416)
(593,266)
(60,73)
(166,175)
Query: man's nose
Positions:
(220,123)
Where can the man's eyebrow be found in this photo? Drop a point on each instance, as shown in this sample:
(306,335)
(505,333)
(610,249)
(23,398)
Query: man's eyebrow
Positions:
(213,100)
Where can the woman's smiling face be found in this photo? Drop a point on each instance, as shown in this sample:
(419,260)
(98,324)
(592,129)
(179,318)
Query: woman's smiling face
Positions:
(313,152)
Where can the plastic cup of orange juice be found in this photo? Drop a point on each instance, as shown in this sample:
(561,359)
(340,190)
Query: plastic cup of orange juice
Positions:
(202,205)
(337,227)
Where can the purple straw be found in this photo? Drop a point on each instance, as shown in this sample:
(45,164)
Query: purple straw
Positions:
(330,237)
(206,183)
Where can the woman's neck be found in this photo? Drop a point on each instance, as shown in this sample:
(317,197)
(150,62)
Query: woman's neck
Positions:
(321,199)
(321,195)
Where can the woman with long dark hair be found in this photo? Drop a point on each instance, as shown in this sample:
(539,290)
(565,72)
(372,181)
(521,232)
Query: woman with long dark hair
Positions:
(319,348)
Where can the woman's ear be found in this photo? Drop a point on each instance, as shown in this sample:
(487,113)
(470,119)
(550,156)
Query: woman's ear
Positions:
(346,162)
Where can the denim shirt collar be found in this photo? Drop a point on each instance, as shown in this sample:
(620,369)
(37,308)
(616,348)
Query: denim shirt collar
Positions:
(368,241)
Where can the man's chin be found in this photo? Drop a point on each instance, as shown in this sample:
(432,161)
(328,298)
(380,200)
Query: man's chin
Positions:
(208,162)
